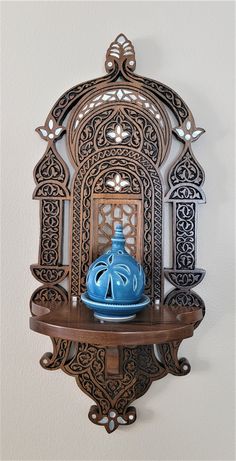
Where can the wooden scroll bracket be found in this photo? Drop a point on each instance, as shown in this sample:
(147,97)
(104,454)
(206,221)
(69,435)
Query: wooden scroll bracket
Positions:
(111,373)
(118,135)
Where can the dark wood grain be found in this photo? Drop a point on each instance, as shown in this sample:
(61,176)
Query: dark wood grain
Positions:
(118,134)
(77,323)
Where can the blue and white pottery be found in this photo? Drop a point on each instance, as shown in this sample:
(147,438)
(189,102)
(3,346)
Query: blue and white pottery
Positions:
(115,283)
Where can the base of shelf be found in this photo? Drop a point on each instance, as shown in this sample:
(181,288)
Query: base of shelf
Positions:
(114,363)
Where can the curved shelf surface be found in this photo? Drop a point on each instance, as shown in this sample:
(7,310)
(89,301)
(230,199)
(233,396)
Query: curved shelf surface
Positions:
(154,325)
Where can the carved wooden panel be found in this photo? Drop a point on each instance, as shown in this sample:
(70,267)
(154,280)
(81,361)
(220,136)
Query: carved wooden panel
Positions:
(107,213)
(87,363)
(118,134)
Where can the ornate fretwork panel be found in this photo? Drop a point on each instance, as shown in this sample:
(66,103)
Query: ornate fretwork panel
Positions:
(185,235)
(113,395)
(118,181)
(124,121)
(110,212)
(51,177)
(185,178)
(139,367)
(51,233)
(186,170)
(118,134)
(151,190)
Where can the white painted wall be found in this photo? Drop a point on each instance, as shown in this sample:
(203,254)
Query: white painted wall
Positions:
(48,47)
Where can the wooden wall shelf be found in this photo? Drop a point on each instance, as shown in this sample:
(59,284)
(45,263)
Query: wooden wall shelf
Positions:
(118,135)
(152,326)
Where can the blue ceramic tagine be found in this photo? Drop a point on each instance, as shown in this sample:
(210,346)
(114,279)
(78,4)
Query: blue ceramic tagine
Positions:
(115,283)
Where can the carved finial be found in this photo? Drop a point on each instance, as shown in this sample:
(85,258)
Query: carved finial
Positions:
(120,52)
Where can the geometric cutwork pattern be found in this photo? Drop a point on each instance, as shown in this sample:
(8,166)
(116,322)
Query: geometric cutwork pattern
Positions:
(111,214)
(118,134)
(185,235)
(185,178)
(50,236)
(149,180)
(119,95)
(87,364)
(186,170)
(121,125)
(51,176)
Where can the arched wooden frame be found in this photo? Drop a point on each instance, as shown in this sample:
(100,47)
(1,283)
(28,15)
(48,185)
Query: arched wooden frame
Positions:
(118,125)
(152,206)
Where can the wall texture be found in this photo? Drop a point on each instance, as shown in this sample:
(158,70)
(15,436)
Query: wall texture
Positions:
(48,47)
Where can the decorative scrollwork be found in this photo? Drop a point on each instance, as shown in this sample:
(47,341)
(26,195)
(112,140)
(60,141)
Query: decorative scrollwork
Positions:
(120,54)
(185,279)
(113,396)
(87,135)
(47,274)
(130,135)
(186,170)
(51,167)
(135,130)
(51,190)
(136,125)
(161,91)
(118,134)
(134,163)
(119,95)
(186,193)
(169,357)
(50,235)
(152,141)
(71,97)
(184,300)
(119,130)
(51,295)
(53,361)
(165,94)
(185,235)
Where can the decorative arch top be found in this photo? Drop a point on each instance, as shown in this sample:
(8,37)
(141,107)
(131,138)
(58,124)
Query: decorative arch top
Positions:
(118,133)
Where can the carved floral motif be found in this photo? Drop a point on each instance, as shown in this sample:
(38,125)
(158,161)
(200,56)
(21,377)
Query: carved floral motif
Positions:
(136,164)
(51,130)
(124,95)
(118,134)
(185,235)
(50,168)
(188,132)
(186,170)
(183,279)
(120,53)
(49,274)
(51,190)
(143,130)
(51,295)
(117,183)
(50,235)
(127,182)
(113,396)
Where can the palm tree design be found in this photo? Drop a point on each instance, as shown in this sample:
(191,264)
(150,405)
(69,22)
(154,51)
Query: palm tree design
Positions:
(111,275)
